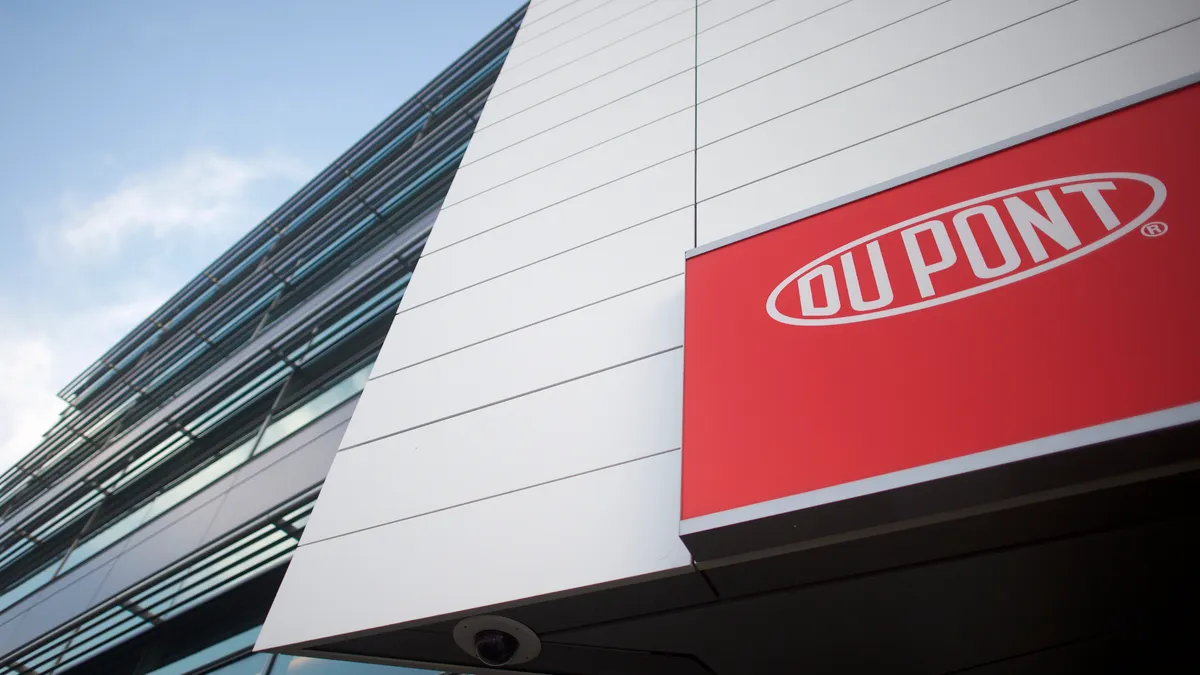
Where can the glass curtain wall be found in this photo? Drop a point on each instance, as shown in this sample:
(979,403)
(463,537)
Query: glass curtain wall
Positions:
(274,336)
(182,453)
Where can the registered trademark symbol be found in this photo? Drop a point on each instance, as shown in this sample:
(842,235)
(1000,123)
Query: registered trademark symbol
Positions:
(1155,229)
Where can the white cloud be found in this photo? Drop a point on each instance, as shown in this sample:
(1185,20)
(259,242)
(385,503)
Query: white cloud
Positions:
(42,352)
(27,403)
(126,252)
(204,191)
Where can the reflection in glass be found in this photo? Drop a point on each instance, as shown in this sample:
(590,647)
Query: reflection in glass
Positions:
(243,640)
(115,623)
(304,665)
(255,664)
(315,407)
(29,585)
(335,395)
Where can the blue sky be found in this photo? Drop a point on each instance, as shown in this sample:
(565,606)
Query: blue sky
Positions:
(139,139)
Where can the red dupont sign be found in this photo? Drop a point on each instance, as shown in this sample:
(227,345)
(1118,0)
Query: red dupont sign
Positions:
(1046,289)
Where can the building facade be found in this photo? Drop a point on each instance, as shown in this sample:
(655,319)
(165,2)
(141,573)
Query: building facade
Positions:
(527,455)
(148,531)
(528,423)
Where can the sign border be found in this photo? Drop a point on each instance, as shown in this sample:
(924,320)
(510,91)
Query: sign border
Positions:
(995,457)
(984,459)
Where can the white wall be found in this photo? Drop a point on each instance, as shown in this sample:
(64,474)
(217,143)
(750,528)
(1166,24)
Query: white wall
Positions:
(522,424)
(797,116)
(520,434)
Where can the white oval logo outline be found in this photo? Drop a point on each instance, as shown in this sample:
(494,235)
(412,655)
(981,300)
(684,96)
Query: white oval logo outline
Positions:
(1160,196)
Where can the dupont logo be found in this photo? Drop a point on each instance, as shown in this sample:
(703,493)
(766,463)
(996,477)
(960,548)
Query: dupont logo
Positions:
(969,248)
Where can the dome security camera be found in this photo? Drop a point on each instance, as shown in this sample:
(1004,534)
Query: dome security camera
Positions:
(495,647)
(496,640)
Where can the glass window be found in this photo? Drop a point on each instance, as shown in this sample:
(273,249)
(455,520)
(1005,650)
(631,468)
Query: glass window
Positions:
(250,310)
(98,426)
(201,479)
(68,514)
(119,623)
(204,583)
(22,482)
(383,152)
(298,220)
(147,460)
(64,450)
(420,181)
(471,82)
(248,392)
(305,665)
(182,314)
(315,407)
(103,537)
(14,551)
(29,585)
(243,640)
(163,502)
(251,259)
(384,300)
(314,261)
(255,664)
(298,418)
(176,366)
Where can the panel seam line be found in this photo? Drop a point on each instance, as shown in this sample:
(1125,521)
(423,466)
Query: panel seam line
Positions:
(513,397)
(568,22)
(575,118)
(696,129)
(610,72)
(532,57)
(873,79)
(780,30)
(552,256)
(951,109)
(584,56)
(523,327)
(495,496)
(560,160)
(550,206)
(550,13)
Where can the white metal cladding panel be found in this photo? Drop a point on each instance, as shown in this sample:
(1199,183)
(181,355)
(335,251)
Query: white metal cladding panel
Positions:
(770,19)
(572,534)
(615,416)
(528,65)
(565,375)
(272,485)
(604,124)
(872,61)
(785,57)
(1114,76)
(628,202)
(618,264)
(1071,34)
(564,15)
(717,12)
(607,61)
(540,9)
(632,152)
(622,13)
(619,330)
(593,95)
